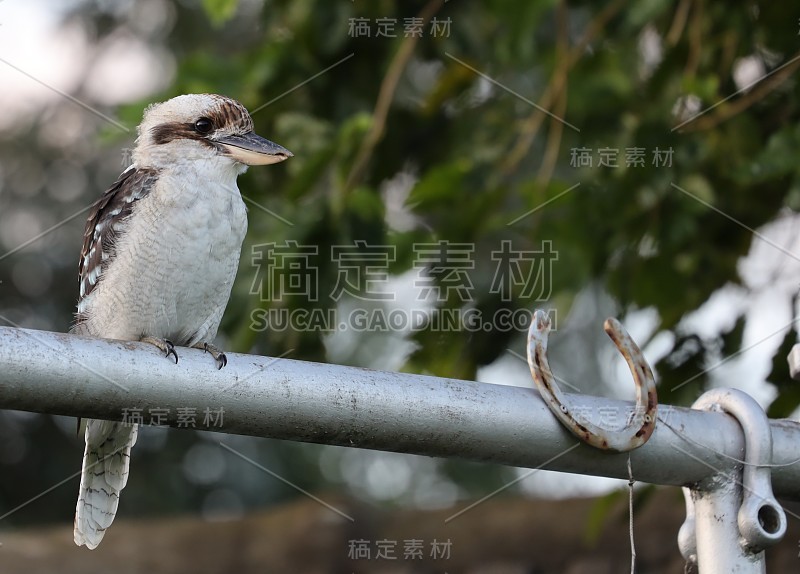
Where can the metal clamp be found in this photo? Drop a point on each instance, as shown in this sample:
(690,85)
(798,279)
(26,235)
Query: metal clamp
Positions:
(687,535)
(761,520)
(642,421)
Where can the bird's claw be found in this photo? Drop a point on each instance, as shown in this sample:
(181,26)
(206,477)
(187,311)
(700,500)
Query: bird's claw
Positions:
(165,345)
(171,350)
(218,355)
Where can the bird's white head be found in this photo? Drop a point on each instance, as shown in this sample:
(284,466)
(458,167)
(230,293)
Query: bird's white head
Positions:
(205,127)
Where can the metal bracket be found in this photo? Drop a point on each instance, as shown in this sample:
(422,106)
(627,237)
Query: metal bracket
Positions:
(640,424)
(710,536)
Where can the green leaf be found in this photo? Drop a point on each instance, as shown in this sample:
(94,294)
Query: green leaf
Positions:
(220,11)
(442,184)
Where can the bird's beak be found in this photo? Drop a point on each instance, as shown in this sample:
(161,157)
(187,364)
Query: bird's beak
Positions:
(252,149)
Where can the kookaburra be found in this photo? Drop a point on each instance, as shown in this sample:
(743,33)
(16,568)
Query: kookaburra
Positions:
(160,253)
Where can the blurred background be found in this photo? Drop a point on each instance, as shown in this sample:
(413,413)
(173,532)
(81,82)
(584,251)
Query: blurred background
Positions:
(451,157)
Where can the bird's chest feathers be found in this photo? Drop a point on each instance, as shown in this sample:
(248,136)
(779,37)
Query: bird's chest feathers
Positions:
(201,216)
(175,261)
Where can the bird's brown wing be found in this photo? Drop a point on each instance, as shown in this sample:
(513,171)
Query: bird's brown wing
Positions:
(103,225)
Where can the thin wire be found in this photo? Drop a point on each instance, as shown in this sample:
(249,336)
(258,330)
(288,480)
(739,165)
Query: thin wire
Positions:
(630,515)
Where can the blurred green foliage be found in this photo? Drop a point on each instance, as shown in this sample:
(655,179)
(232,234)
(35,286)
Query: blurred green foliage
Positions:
(455,111)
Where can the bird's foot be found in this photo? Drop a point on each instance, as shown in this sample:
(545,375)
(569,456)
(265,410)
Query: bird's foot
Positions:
(217,353)
(166,346)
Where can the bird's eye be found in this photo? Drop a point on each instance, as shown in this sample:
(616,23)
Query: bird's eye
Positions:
(203,125)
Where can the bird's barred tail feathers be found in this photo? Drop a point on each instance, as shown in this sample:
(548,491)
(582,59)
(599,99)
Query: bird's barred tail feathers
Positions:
(104,474)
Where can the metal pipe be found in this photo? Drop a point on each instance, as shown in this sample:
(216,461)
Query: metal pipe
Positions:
(716,507)
(69,375)
(732,517)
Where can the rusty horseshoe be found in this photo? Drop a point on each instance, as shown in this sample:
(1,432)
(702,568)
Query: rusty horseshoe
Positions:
(640,423)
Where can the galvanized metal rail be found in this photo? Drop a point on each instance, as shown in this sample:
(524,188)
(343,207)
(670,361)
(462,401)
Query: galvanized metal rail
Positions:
(68,375)
(295,400)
